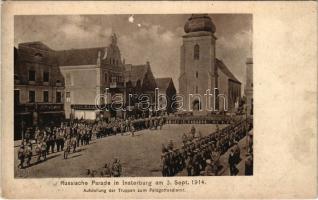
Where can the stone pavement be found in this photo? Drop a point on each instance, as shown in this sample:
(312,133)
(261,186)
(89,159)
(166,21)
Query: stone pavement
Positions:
(139,155)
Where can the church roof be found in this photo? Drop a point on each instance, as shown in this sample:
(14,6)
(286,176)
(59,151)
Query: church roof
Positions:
(163,83)
(220,65)
(199,22)
(74,57)
(134,73)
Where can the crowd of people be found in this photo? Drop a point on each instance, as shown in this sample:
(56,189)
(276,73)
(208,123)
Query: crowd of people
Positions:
(68,136)
(200,155)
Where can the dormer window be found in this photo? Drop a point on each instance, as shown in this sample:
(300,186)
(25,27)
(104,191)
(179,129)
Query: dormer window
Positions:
(38,56)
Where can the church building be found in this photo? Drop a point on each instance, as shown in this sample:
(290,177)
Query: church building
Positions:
(200,70)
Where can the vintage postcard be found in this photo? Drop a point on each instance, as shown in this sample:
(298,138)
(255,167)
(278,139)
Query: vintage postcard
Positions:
(126,100)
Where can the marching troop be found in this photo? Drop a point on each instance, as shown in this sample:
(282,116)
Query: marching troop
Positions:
(200,155)
(67,137)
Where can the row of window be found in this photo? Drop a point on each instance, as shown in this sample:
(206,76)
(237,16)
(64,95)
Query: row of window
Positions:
(113,79)
(32,95)
(113,61)
(32,76)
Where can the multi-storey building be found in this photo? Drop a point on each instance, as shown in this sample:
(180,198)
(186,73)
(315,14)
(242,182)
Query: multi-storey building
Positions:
(38,87)
(93,77)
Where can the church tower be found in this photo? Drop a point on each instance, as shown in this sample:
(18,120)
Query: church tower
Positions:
(197,65)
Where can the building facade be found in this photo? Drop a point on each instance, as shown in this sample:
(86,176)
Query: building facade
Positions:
(167,88)
(249,86)
(38,87)
(201,71)
(140,89)
(93,77)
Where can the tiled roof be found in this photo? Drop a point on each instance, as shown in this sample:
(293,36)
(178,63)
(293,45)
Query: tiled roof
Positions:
(163,83)
(134,73)
(220,65)
(36,45)
(75,57)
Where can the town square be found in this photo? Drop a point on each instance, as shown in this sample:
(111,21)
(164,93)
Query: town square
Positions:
(133,96)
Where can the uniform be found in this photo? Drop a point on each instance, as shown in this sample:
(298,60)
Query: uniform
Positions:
(21,156)
(116,168)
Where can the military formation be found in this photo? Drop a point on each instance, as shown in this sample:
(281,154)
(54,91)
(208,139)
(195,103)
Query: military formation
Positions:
(68,136)
(200,155)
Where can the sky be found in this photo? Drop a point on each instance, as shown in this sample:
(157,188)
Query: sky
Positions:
(141,38)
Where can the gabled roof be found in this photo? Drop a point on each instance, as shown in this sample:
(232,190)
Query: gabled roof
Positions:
(74,57)
(220,65)
(36,45)
(134,73)
(163,83)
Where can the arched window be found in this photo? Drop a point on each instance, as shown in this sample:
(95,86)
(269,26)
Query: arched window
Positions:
(196,52)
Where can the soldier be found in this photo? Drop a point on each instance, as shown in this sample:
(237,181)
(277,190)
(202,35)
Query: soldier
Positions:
(21,156)
(43,150)
(184,138)
(192,131)
(189,164)
(58,139)
(106,171)
(68,148)
(232,162)
(249,165)
(28,153)
(37,134)
(116,168)
(150,123)
(52,139)
(82,132)
(170,145)
(164,161)
(208,170)
(38,150)
(156,123)
(161,122)
(237,153)
(73,144)
(62,137)
(196,163)
(132,130)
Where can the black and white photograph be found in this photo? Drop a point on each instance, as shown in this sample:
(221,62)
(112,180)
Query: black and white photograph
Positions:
(133,95)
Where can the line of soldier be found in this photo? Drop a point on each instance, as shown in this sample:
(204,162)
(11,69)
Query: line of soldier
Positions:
(199,120)
(200,155)
(121,126)
(79,133)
